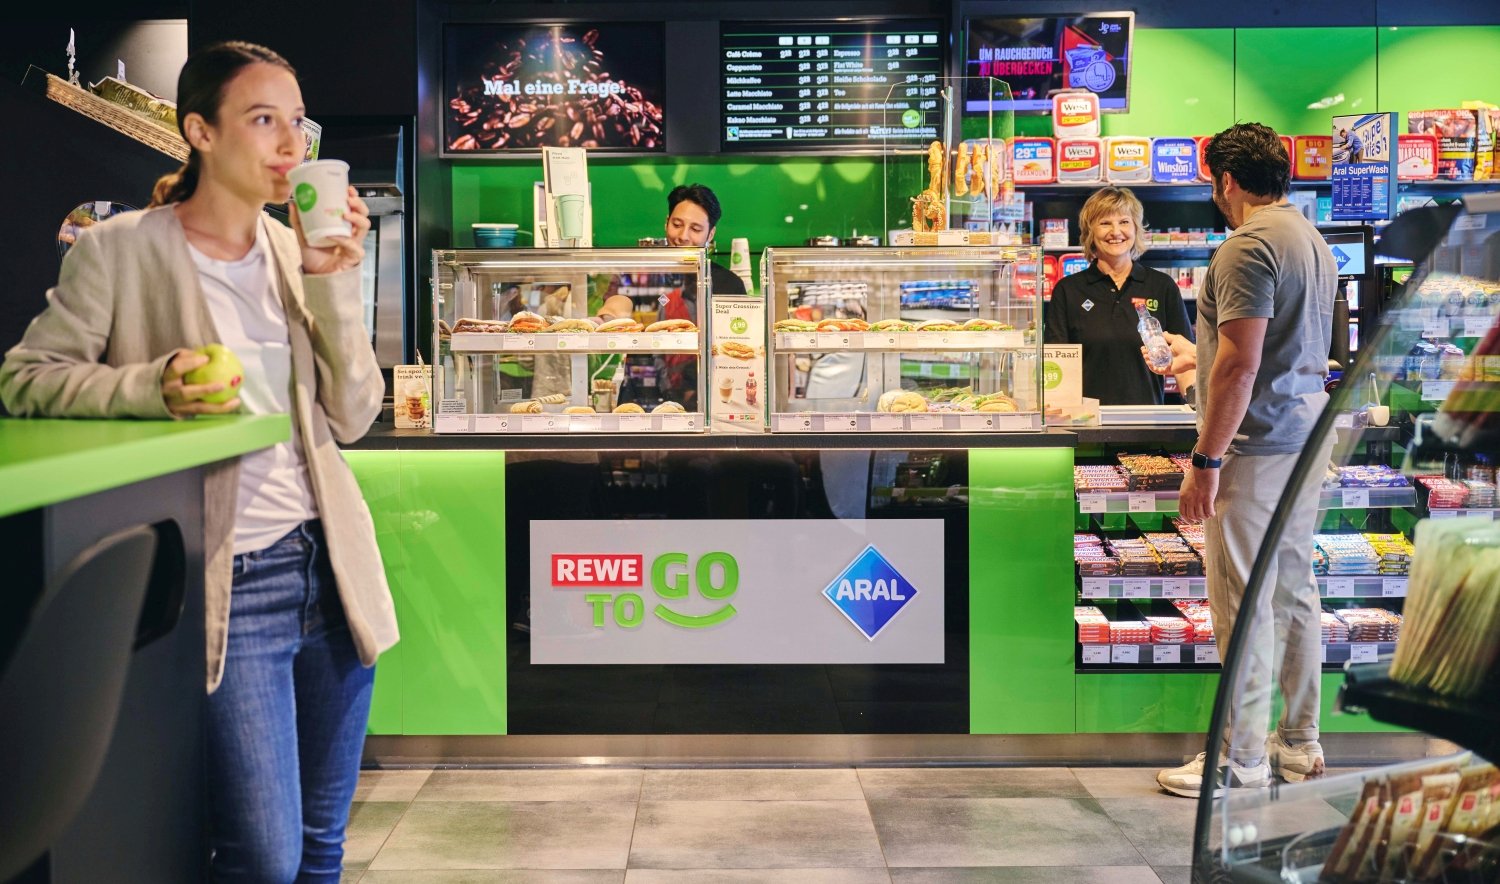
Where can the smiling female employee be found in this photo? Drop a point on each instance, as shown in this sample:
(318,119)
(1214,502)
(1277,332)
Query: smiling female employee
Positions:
(1096,307)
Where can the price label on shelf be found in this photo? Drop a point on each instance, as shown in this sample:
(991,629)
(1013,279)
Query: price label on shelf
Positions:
(808,340)
(1340,588)
(538,423)
(1393,587)
(1436,391)
(1095,588)
(1095,654)
(887,423)
(1091,503)
(1442,514)
(841,342)
(635,423)
(924,422)
(842,423)
(882,341)
(1143,503)
(1137,589)
(1165,654)
(1476,326)
(1175,588)
(1205,653)
(1437,328)
(1323,653)
(1364,653)
(518,342)
(1124,653)
(1355,498)
(492,423)
(613,342)
(566,342)
(660,342)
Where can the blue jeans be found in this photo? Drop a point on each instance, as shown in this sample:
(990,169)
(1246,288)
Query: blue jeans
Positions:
(287,724)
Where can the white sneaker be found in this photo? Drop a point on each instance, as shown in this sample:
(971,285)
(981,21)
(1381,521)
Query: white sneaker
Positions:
(1187,780)
(1304,761)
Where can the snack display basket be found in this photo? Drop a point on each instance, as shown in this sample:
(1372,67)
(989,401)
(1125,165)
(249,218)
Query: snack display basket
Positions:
(1431,371)
(904,339)
(517,351)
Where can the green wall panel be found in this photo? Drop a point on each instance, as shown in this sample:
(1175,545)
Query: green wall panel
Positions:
(1279,72)
(1182,702)
(1423,68)
(379,477)
(1020,598)
(1182,83)
(771,201)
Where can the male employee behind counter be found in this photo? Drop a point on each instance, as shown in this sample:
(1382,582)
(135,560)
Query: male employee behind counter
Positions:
(1096,307)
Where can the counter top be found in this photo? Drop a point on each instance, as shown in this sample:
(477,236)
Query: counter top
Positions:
(43,462)
(385,437)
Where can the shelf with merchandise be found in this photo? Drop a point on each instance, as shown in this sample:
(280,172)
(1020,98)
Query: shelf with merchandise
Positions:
(1363,586)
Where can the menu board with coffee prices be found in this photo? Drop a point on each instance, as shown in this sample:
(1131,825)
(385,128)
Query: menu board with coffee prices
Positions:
(825,85)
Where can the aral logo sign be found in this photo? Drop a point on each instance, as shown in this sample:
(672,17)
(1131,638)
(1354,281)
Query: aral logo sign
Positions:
(870,592)
(715,591)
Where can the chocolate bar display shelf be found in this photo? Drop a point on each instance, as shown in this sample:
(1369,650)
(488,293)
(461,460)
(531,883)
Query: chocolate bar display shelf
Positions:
(517,350)
(1372,586)
(1411,818)
(1206,654)
(937,339)
(1166,501)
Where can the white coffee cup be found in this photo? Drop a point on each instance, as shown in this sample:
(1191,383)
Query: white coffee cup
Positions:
(1380,415)
(320,191)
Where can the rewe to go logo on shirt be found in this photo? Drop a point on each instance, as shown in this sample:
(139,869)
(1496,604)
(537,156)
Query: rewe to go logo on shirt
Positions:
(673,575)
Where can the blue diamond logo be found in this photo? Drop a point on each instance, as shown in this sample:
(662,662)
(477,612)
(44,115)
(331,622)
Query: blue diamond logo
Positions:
(870,592)
(1341,256)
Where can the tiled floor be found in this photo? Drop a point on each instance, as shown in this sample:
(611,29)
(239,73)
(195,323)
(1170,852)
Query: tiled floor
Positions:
(780,826)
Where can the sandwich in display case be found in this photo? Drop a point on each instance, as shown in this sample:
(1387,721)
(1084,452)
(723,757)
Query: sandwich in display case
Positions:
(904,339)
(521,350)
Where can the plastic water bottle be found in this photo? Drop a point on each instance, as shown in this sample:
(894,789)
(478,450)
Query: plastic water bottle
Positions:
(1158,352)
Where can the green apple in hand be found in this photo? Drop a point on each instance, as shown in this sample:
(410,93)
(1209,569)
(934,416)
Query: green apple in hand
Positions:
(223,368)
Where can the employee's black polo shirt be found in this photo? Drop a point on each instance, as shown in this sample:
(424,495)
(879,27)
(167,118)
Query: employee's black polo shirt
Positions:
(1087,309)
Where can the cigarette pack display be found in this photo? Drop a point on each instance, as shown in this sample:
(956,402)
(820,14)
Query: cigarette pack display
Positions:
(1417,157)
(1080,159)
(1312,157)
(1031,160)
(1127,159)
(1075,115)
(1174,160)
(1457,133)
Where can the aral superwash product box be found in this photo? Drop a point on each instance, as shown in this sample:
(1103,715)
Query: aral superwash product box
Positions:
(1416,157)
(1174,160)
(1312,157)
(1203,173)
(1031,160)
(1075,115)
(1080,159)
(1457,132)
(1127,158)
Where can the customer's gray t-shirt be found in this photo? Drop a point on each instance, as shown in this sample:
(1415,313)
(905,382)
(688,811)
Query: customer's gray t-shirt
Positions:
(1277,267)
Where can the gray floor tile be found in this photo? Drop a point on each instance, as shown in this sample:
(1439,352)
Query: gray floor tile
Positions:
(390,785)
(1161,828)
(532,785)
(350,877)
(752,785)
(758,876)
(370,823)
(975,832)
(510,835)
(1175,874)
(497,876)
(970,782)
(754,834)
(1028,875)
(1121,782)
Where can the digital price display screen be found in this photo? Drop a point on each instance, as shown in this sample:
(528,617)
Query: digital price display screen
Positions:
(830,85)
(522,87)
(1039,57)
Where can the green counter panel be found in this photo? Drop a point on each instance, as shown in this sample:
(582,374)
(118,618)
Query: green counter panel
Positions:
(1182,83)
(1291,79)
(1427,68)
(1183,702)
(441,526)
(1020,607)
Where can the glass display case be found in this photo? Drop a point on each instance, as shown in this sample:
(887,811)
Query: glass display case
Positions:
(951,186)
(1427,655)
(520,350)
(904,339)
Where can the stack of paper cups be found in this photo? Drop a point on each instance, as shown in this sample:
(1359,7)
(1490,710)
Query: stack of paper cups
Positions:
(739,262)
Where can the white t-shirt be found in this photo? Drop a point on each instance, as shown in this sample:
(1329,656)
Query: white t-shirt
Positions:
(275,492)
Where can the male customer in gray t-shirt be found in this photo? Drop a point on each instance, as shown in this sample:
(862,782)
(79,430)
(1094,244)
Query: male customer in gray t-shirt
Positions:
(1264,327)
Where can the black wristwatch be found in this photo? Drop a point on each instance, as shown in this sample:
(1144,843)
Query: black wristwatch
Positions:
(1204,462)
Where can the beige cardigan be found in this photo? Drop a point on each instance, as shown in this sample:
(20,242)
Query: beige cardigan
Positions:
(128,296)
